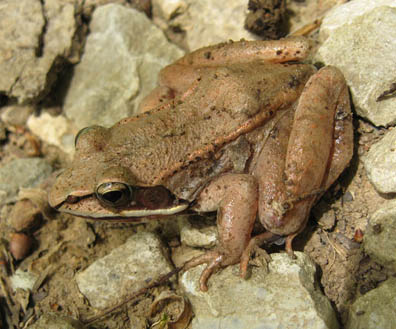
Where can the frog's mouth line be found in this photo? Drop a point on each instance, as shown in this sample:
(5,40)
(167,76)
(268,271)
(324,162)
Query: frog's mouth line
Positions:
(96,211)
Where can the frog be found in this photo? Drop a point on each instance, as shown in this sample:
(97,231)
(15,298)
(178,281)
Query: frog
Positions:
(244,129)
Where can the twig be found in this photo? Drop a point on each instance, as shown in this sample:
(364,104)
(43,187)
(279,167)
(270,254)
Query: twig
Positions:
(157,282)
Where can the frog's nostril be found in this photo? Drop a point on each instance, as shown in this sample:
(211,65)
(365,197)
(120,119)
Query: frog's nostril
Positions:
(72,199)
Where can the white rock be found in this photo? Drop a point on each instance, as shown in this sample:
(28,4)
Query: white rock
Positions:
(125,270)
(380,163)
(345,13)
(57,131)
(286,297)
(205,237)
(123,54)
(364,50)
(204,22)
(23,280)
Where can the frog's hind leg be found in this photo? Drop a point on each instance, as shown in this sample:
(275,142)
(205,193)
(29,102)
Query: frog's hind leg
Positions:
(311,150)
(254,247)
(233,52)
(179,79)
(175,81)
(321,141)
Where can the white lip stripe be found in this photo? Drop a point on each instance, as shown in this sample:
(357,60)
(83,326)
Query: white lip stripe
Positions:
(131,213)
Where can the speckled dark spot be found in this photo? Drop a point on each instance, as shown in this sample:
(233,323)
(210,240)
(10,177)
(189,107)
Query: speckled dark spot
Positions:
(377,228)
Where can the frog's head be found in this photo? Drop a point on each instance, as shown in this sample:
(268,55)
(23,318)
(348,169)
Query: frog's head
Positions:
(96,186)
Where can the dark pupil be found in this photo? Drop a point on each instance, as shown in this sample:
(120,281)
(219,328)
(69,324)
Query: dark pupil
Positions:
(113,196)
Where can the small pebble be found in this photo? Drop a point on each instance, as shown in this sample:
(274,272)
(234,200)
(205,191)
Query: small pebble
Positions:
(20,245)
(358,236)
(24,216)
(347,197)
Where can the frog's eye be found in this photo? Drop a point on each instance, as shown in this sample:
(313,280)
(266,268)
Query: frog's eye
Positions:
(114,194)
(82,132)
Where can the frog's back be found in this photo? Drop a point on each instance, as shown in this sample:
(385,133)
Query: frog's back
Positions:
(226,104)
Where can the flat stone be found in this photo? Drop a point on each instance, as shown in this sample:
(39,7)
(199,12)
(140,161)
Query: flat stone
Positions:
(203,22)
(369,40)
(125,270)
(380,163)
(25,172)
(375,309)
(123,54)
(287,294)
(379,238)
(344,14)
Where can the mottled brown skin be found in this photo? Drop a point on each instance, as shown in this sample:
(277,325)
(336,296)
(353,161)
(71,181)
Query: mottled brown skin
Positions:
(231,128)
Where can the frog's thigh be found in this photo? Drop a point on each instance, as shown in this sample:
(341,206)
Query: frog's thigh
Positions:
(342,151)
(312,140)
(160,95)
(234,196)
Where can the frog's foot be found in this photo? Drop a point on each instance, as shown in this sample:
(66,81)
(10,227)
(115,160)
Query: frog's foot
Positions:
(214,260)
(254,248)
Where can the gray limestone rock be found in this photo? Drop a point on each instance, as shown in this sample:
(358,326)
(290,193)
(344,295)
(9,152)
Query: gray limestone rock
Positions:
(379,239)
(123,271)
(25,172)
(123,54)
(35,35)
(380,163)
(376,309)
(344,14)
(364,49)
(285,297)
(204,22)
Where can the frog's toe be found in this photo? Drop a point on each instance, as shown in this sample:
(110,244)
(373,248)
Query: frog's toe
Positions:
(213,259)
(262,257)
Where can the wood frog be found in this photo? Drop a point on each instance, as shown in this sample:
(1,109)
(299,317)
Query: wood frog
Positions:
(241,128)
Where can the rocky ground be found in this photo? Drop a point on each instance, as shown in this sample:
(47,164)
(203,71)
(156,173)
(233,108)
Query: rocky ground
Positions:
(67,64)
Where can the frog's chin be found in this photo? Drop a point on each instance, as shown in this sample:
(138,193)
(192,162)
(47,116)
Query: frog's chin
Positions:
(124,215)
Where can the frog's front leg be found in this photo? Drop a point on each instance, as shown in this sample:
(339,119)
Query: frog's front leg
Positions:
(235,198)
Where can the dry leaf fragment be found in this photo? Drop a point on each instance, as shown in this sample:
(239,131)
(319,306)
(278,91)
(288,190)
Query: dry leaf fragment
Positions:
(176,311)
